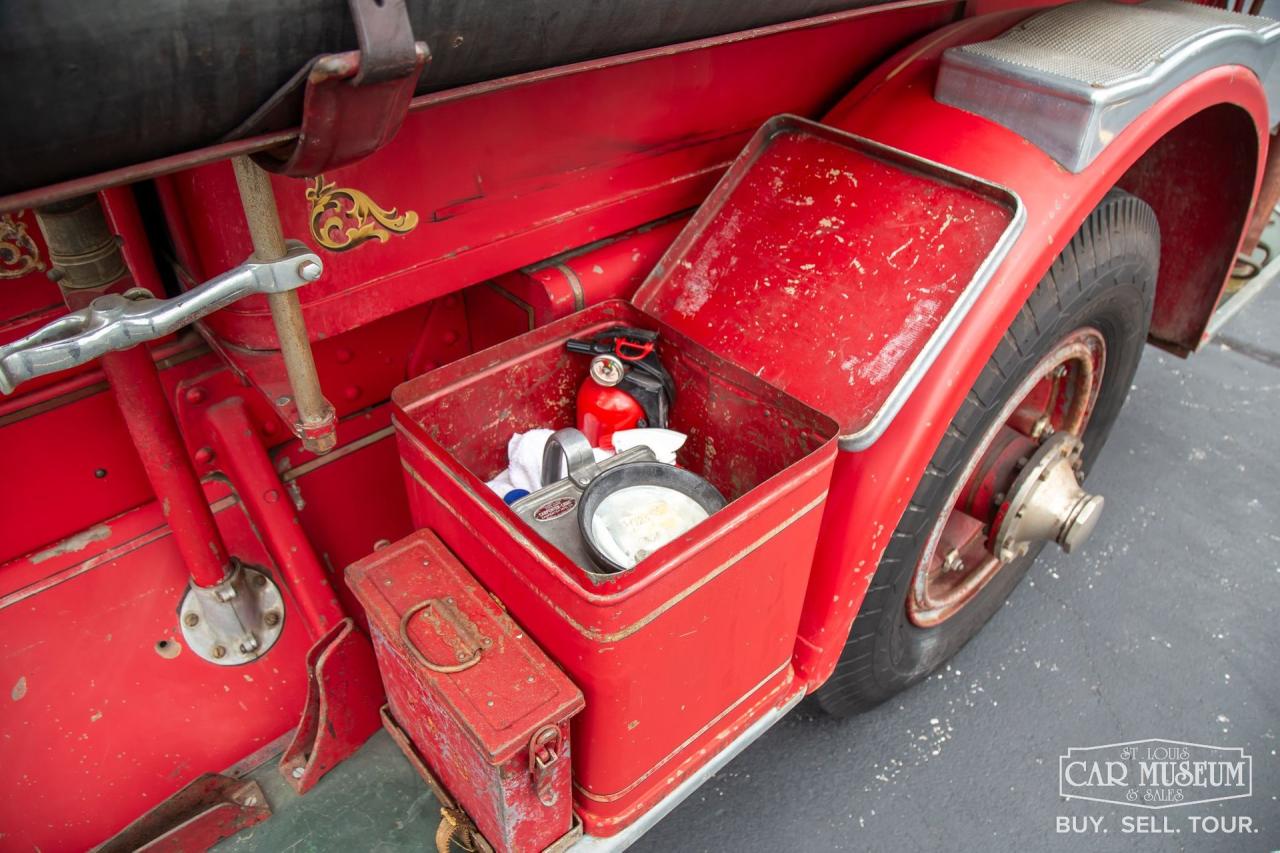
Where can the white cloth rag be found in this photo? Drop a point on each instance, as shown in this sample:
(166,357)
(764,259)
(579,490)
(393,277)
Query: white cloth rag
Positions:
(524,455)
(524,462)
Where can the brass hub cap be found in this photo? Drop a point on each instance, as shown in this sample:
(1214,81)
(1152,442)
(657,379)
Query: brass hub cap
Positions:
(1021,486)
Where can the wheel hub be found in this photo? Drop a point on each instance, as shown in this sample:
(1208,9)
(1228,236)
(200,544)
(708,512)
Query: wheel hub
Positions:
(1046,503)
(1020,487)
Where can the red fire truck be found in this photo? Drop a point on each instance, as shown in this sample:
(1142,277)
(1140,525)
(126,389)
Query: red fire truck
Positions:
(290,286)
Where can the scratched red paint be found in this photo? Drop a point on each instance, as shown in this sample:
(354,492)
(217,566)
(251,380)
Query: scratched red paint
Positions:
(824,270)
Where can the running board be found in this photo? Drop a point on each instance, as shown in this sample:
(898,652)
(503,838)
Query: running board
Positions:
(1069,80)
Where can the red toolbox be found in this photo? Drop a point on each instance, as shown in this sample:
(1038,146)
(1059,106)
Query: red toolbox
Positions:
(795,311)
(480,701)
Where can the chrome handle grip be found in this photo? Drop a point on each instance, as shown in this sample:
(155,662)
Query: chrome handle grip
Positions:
(114,322)
(571,446)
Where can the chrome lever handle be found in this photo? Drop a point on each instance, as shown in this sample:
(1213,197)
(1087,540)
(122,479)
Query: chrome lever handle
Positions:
(115,322)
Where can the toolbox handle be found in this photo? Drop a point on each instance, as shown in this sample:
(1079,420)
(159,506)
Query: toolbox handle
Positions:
(449,613)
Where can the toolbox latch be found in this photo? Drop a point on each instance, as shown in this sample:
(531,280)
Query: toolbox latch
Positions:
(544,754)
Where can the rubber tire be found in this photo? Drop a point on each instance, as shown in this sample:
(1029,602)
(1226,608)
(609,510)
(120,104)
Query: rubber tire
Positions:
(1105,278)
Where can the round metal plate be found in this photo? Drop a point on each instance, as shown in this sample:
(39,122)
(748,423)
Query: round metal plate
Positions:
(203,636)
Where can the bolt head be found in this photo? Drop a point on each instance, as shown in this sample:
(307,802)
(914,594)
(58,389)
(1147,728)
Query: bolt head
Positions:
(309,270)
(219,652)
(272,618)
(191,620)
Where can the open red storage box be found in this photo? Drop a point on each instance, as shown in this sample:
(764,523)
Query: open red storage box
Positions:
(704,624)
(796,311)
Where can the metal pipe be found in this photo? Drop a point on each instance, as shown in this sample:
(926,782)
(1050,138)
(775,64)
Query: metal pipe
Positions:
(136,382)
(87,259)
(244,458)
(316,420)
(84,254)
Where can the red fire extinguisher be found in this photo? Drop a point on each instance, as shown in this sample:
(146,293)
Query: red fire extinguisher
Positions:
(626,386)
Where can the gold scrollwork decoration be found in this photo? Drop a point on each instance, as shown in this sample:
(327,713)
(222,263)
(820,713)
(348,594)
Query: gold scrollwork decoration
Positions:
(342,218)
(19,254)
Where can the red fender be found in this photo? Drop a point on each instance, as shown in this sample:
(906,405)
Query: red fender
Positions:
(895,106)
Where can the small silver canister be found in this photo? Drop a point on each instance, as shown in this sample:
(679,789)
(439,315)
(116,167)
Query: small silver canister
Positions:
(552,510)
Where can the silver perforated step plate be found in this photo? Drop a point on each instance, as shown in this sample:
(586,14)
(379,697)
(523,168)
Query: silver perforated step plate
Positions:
(1072,78)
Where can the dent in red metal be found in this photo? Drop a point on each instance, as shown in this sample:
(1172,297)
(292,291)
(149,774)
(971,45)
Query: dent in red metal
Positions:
(344,694)
(659,128)
(895,106)
(211,808)
(487,709)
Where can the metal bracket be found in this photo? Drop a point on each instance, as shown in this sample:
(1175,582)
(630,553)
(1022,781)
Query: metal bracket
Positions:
(211,808)
(233,622)
(344,693)
(354,102)
(116,322)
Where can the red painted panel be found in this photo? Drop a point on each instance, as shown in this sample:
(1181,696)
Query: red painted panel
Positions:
(350,504)
(78,468)
(98,725)
(539,164)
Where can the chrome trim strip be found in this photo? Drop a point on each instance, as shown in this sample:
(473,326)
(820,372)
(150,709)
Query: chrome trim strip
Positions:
(880,421)
(632,834)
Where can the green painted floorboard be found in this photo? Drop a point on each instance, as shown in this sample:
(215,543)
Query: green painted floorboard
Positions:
(372,801)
